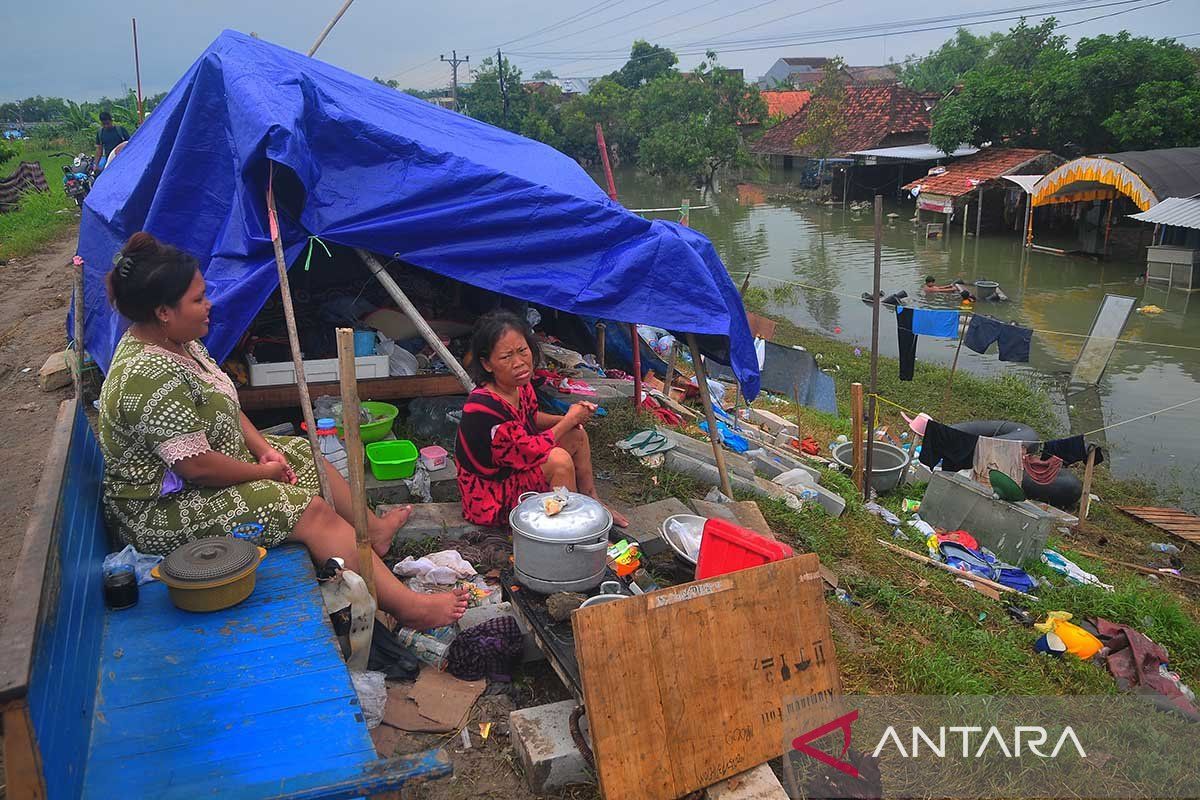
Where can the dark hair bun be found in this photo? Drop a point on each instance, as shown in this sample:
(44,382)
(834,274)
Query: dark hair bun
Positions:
(148,274)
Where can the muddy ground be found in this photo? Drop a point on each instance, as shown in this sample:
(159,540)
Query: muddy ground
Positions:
(34,295)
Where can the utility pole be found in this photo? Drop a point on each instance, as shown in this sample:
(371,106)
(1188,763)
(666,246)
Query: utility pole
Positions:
(503,87)
(454,61)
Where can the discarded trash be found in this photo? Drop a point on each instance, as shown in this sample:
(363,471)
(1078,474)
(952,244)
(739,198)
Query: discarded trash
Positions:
(1171,549)
(883,513)
(130,558)
(485,730)
(466,739)
(1076,574)
(1076,641)
(371,689)
(909,506)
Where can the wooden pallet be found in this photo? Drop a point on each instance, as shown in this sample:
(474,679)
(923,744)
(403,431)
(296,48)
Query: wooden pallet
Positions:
(1174,521)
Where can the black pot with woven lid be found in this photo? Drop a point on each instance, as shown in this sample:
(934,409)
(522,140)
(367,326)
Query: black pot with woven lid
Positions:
(210,574)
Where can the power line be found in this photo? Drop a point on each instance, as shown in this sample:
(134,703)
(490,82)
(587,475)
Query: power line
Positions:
(602,24)
(1113,14)
(604,5)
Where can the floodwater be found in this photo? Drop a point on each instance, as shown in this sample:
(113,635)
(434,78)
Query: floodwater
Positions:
(782,243)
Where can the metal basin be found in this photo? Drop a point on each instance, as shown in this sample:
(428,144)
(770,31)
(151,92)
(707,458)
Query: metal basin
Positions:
(888,463)
(985,289)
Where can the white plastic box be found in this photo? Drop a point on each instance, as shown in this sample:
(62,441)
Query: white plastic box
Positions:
(321,370)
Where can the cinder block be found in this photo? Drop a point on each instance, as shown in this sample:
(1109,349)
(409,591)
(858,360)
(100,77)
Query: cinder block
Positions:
(759,783)
(771,421)
(435,520)
(541,737)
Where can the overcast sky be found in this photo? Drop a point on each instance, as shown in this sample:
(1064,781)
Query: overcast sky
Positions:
(84,50)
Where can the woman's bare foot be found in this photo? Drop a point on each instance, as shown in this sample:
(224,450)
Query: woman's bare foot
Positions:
(425,611)
(619,519)
(383,529)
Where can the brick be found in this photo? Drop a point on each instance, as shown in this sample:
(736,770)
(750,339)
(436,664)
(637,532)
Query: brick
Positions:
(759,783)
(541,737)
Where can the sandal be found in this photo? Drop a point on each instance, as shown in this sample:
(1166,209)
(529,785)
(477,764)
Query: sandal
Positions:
(659,444)
(637,439)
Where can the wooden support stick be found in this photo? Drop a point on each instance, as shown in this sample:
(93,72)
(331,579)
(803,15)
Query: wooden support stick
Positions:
(636,343)
(869,458)
(796,398)
(77,373)
(393,289)
(714,435)
(355,457)
(325,32)
(670,369)
(601,332)
(289,320)
(1138,567)
(856,432)
(973,578)
(954,364)
(1085,497)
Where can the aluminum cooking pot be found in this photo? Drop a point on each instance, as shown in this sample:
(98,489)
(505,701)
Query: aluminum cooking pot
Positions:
(566,552)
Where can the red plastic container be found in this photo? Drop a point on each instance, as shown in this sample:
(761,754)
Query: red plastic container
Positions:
(725,547)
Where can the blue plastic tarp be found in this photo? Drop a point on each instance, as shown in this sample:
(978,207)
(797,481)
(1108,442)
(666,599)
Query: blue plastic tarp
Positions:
(387,172)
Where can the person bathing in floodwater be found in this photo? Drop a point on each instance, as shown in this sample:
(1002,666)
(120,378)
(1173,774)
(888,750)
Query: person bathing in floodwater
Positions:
(505,445)
(932,287)
(181,460)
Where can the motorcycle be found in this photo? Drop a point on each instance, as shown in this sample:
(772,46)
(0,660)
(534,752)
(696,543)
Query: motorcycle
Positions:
(78,177)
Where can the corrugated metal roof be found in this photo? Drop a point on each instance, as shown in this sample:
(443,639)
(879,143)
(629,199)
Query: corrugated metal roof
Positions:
(917,152)
(1181,212)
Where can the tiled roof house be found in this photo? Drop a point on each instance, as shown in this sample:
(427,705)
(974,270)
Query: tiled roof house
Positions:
(876,116)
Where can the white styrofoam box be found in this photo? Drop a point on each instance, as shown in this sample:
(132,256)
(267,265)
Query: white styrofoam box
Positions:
(321,370)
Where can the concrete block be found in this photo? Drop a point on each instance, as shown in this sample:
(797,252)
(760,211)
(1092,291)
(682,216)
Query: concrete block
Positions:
(832,502)
(614,386)
(56,372)
(740,512)
(443,488)
(541,737)
(772,422)
(1015,532)
(784,438)
(702,451)
(759,783)
(645,523)
(479,614)
(440,520)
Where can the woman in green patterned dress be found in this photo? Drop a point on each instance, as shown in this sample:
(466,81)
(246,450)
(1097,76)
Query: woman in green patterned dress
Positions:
(182,461)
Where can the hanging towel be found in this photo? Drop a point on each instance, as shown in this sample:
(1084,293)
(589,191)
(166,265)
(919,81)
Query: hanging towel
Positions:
(1013,339)
(935,322)
(907,341)
(1042,471)
(1071,450)
(953,448)
(999,454)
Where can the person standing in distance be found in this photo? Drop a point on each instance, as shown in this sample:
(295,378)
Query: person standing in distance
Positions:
(107,139)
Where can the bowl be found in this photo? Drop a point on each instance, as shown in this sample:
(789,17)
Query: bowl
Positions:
(384,415)
(392,459)
(675,543)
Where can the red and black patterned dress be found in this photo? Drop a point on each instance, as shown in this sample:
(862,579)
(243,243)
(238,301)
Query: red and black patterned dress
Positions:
(500,453)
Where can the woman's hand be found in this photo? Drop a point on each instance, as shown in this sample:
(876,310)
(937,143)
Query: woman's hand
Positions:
(579,413)
(274,471)
(273,456)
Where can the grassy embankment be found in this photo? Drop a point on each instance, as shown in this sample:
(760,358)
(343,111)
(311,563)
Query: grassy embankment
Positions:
(42,216)
(914,629)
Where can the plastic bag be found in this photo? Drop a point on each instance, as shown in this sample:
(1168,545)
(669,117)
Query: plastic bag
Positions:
(129,558)
(400,362)
(688,535)
(419,484)
(371,688)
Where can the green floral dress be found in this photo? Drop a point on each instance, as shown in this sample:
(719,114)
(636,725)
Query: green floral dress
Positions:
(157,408)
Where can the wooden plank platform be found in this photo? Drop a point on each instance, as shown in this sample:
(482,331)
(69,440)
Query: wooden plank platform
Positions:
(256,397)
(172,720)
(1174,521)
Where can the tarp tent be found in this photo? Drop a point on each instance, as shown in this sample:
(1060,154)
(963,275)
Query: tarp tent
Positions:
(378,169)
(1145,176)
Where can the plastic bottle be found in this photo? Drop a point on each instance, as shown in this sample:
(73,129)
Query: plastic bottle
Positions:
(1170,549)
(424,647)
(331,446)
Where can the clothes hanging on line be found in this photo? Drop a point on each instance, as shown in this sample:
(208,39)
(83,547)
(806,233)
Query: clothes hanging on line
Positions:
(1013,339)
(934,322)
(998,454)
(1042,471)
(1071,450)
(907,342)
(950,446)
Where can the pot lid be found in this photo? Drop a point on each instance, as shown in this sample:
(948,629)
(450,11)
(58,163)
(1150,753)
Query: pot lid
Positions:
(581,519)
(209,559)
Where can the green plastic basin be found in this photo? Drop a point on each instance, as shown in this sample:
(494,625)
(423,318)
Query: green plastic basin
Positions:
(393,459)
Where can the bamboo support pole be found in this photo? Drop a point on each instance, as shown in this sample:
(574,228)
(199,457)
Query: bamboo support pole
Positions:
(406,305)
(321,39)
(601,332)
(1085,497)
(289,319)
(355,456)
(979,214)
(1138,567)
(856,432)
(714,435)
(869,458)
(670,369)
(77,372)
(636,343)
(962,333)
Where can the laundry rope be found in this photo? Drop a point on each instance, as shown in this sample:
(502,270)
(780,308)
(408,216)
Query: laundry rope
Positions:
(969,312)
(1040,441)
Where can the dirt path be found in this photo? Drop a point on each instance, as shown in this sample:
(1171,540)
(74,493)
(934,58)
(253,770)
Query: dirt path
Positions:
(34,294)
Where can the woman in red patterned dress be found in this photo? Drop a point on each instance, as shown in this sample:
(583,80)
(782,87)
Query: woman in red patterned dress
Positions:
(505,445)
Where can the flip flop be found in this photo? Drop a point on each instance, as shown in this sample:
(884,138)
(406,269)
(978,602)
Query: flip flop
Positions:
(655,446)
(637,439)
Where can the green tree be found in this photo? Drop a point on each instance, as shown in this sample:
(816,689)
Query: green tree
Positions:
(825,119)
(544,75)
(1163,114)
(690,124)
(943,68)
(610,104)
(496,96)
(646,62)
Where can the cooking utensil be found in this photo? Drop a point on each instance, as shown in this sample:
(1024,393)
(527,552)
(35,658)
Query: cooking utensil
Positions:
(210,574)
(671,536)
(565,552)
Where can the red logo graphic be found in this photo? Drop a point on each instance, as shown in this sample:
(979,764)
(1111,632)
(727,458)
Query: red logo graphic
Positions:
(843,724)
